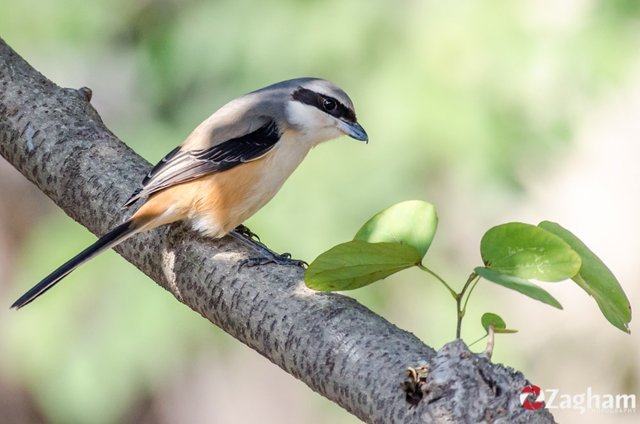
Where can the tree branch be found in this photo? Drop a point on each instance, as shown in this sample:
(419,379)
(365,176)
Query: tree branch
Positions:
(336,346)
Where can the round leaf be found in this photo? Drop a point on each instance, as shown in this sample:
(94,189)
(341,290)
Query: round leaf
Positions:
(413,222)
(357,263)
(489,318)
(518,284)
(498,323)
(527,251)
(596,279)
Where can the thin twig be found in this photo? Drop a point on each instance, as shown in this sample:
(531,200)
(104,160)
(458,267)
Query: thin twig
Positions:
(427,270)
(488,351)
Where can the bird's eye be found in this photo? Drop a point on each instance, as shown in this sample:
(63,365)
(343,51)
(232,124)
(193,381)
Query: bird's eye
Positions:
(329,104)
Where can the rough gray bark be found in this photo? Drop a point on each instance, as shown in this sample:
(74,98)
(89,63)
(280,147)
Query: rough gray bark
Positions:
(336,346)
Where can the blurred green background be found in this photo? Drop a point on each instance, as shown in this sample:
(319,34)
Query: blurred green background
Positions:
(492,110)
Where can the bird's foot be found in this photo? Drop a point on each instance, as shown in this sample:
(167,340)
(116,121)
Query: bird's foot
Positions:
(283,259)
(244,231)
(267,256)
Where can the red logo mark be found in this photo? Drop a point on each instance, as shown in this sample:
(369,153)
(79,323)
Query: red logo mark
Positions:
(532,398)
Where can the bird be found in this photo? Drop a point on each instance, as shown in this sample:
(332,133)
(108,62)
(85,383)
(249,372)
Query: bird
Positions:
(229,167)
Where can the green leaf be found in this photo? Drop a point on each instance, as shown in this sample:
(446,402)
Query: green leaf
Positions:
(489,318)
(596,279)
(504,330)
(358,263)
(518,284)
(413,222)
(498,323)
(527,251)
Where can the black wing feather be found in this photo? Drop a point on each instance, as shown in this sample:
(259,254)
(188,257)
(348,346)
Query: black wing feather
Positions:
(158,166)
(182,166)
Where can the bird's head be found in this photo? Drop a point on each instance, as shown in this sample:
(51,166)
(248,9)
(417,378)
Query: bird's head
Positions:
(321,110)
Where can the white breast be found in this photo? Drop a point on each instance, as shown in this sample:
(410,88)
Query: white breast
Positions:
(230,197)
(280,163)
(262,180)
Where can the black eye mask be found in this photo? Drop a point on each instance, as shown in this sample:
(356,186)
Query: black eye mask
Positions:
(326,104)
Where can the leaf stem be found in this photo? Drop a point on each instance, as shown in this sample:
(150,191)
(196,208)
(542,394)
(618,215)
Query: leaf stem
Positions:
(460,310)
(483,337)
(427,270)
(473,286)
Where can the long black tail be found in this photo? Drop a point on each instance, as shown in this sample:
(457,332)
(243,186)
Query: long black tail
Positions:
(109,240)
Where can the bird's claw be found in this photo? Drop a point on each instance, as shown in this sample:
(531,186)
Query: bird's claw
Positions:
(246,232)
(284,259)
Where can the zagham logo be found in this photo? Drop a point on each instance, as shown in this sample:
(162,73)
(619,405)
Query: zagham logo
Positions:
(531,397)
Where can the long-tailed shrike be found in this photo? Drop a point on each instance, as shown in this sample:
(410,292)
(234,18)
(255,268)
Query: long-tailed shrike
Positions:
(230,166)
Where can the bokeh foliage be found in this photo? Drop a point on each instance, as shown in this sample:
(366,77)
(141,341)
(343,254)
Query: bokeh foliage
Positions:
(456,94)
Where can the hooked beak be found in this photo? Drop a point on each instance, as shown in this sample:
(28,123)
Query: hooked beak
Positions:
(354,130)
